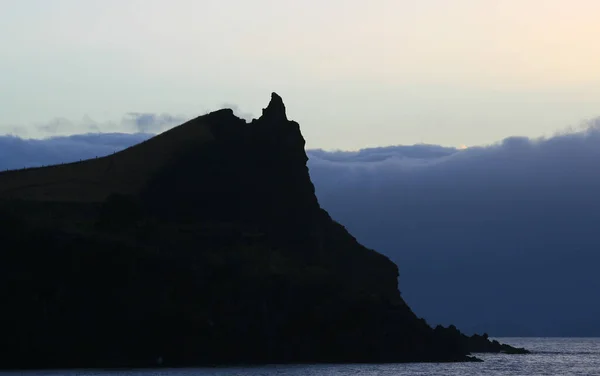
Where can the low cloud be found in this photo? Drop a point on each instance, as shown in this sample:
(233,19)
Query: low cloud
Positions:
(152,123)
(501,238)
(55,125)
(132,122)
(238,112)
(63,126)
(17,153)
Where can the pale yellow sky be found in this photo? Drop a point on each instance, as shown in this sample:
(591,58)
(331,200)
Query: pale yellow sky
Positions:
(353,73)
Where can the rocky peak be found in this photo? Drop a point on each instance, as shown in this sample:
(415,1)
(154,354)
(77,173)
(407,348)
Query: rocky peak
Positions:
(275,111)
(250,173)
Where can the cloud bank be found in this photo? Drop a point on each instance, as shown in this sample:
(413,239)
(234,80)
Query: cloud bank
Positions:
(16,153)
(501,238)
(152,123)
(132,122)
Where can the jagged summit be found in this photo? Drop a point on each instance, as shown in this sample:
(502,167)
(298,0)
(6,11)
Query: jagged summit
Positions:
(222,113)
(275,111)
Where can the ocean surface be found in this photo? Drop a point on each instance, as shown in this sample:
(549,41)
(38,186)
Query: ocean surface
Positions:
(551,356)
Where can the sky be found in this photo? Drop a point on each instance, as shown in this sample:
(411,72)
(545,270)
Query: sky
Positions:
(354,74)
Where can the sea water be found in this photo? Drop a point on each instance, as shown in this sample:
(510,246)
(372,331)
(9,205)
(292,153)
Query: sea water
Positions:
(550,356)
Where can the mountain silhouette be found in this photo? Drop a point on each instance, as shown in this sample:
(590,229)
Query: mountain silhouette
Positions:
(203,245)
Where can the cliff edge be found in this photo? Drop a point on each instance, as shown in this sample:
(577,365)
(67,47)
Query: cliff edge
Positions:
(203,245)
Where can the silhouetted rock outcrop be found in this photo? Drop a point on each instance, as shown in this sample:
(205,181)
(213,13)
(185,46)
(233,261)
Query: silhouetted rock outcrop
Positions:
(203,245)
(481,344)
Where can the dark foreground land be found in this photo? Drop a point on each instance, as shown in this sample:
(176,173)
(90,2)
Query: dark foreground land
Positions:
(203,245)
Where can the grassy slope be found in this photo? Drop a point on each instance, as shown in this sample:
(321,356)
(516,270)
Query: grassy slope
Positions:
(93,180)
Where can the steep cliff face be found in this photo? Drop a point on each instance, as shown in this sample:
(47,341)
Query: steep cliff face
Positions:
(216,252)
(255,175)
(251,172)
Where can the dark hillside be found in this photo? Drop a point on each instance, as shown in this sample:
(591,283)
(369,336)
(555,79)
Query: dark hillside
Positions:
(203,245)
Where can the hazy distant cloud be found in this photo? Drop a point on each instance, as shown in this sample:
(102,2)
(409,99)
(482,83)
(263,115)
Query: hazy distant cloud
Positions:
(17,153)
(238,112)
(153,123)
(55,125)
(17,130)
(375,160)
(132,122)
(422,152)
(62,126)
